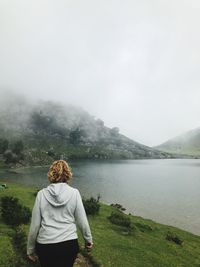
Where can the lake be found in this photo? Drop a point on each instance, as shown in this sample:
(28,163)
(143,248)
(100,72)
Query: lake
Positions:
(167,191)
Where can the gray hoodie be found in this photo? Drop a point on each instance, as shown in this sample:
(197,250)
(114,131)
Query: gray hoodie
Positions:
(56,211)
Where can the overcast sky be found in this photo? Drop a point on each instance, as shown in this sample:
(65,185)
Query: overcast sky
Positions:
(134,64)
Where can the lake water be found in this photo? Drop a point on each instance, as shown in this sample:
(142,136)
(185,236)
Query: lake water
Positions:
(167,191)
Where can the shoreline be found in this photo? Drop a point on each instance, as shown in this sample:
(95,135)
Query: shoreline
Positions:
(24,166)
(126,211)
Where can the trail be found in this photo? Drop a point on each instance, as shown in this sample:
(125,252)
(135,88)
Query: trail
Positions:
(81,261)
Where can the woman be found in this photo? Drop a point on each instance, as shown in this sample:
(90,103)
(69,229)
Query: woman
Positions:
(57,209)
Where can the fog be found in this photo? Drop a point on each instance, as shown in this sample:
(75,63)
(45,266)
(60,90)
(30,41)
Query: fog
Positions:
(134,64)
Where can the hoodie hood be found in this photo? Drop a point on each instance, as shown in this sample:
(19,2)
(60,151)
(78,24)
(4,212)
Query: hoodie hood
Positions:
(58,194)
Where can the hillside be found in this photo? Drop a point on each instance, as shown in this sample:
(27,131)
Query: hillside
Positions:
(114,245)
(50,130)
(186,144)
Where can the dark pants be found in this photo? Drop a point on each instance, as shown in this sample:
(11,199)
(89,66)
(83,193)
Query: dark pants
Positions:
(61,254)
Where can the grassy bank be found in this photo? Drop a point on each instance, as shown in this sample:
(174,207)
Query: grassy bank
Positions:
(145,245)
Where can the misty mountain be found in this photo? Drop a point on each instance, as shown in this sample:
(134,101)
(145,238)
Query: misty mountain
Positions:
(187,144)
(52,130)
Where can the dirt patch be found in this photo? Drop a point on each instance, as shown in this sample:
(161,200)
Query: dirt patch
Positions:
(81,261)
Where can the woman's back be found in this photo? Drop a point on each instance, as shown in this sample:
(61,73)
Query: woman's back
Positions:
(57,204)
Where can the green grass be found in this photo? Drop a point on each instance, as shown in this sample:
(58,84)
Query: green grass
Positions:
(115,248)
(183,152)
(7,255)
(145,246)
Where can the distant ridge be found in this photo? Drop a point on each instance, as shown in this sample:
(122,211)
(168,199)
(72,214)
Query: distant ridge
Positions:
(187,144)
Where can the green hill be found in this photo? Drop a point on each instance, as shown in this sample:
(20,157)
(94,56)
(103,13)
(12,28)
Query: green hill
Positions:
(145,245)
(49,130)
(186,144)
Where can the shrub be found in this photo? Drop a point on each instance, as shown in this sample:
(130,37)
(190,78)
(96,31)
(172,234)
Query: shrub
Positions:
(91,206)
(119,218)
(118,206)
(51,153)
(144,227)
(13,213)
(174,238)
(19,243)
(20,239)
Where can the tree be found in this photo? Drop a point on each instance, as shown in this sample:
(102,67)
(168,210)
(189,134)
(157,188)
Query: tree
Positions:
(75,136)
(42,123)
(10,157)
(18,147)
(100,123)
(3,145)
(114,131)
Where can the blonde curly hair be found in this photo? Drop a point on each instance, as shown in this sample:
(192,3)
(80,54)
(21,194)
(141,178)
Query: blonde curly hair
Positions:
(59,172)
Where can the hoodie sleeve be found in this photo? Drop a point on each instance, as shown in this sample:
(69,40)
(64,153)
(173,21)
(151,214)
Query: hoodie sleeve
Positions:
(81,219)
(34,227)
